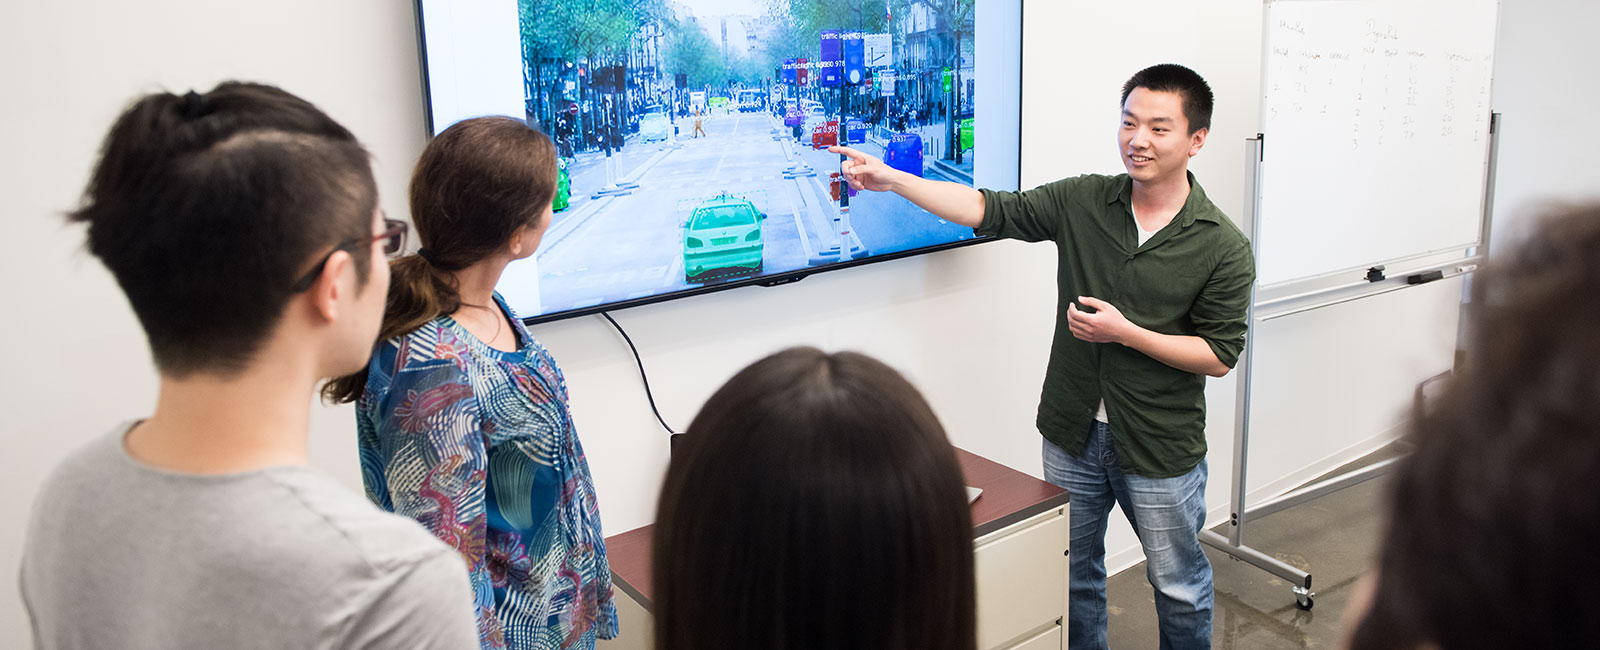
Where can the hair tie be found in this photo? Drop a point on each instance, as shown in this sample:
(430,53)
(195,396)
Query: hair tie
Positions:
(427,256)
(193,105)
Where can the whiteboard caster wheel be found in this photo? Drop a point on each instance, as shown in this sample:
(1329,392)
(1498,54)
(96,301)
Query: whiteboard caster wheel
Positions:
(1303,598)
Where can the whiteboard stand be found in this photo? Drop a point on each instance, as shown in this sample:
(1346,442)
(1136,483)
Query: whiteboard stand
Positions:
(1233,544)
(1239,512)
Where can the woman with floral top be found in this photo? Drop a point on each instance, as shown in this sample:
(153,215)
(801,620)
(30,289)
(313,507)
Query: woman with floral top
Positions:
(463,417)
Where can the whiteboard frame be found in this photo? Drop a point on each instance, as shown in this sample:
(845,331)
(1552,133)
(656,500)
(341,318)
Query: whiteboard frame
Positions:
(1343,285)
(1316,298)
(1297,296)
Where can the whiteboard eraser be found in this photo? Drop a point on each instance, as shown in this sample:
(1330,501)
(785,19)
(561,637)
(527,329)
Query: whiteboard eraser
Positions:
(1427,276)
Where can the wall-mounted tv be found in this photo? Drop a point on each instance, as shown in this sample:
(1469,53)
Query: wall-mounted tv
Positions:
(693,133)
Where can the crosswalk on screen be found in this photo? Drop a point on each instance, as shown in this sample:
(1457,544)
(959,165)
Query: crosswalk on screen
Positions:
(692,133)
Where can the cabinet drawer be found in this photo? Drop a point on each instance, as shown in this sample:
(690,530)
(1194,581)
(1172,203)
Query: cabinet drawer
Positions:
(1047,640)
(1022,579)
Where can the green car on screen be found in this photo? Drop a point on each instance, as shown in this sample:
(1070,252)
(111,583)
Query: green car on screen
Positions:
(722,235)
(563,186)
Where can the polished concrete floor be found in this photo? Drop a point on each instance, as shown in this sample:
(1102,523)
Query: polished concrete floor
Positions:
(1334,538)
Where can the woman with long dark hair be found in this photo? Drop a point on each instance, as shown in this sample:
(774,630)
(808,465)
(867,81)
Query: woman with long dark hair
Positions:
(814,504)
(463,417)
(1492,520)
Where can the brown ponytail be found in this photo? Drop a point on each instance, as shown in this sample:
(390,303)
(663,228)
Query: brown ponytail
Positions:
(418,293)
(474,186)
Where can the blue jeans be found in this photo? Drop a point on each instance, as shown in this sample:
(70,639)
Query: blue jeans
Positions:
(1167,514)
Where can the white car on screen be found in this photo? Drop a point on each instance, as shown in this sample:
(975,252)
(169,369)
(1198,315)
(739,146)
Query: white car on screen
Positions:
(813,118)
(655,127)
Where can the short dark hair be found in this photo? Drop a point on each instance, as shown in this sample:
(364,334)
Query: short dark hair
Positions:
(1493,518)
(475,184)
(207,207)
(1174,78)
(814,503)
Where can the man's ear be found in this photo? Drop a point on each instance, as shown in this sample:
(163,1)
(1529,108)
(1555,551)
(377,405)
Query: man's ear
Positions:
(329,290)
(1197,140)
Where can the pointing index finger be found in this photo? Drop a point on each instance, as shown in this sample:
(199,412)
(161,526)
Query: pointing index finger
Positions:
(856,156)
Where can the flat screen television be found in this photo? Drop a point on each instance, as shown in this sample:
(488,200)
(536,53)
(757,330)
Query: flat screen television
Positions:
(692,133)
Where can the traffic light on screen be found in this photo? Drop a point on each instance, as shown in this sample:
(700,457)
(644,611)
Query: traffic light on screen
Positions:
(854,59)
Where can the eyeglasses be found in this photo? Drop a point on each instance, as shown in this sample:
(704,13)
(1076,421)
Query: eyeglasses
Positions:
(393,238)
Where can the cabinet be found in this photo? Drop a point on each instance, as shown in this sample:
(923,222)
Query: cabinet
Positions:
(1022,582)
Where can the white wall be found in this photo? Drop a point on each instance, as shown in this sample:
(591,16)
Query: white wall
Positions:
(1543,86)
(77,362)
(971,326)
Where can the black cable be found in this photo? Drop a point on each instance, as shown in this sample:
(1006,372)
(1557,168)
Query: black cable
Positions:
(647,394)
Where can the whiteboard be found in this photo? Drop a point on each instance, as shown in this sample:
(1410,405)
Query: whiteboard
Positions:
(1375,122)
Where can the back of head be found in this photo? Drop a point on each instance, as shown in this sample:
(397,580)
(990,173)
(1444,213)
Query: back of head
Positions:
(475,184)
(814,503)
(207,208)
(1493,517)
(1174,78)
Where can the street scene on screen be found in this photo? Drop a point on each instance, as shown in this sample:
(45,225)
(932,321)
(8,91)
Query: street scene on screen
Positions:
(693,145)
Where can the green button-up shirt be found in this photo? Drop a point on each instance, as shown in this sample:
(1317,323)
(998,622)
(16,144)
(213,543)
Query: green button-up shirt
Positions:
(1191,278)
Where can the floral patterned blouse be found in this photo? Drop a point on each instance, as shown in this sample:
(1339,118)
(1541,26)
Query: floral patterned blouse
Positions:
(477,444)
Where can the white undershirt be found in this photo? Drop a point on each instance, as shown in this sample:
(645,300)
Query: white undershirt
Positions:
(1144,236)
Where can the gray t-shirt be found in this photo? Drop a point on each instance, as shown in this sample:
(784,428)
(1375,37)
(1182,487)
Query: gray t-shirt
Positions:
(122,555)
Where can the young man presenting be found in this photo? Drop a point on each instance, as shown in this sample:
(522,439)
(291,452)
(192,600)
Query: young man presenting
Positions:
(1155,282)
(243,226)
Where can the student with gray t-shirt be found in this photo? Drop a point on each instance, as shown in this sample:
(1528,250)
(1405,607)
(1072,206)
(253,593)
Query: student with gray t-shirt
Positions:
(243,225)
(278,557)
